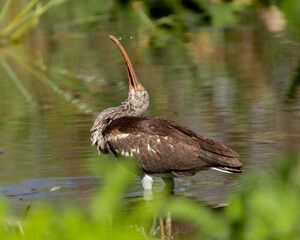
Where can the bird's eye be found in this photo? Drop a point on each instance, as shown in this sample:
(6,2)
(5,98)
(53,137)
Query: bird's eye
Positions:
(144,94)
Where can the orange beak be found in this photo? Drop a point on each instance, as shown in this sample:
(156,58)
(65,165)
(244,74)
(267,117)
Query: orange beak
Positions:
(133,81)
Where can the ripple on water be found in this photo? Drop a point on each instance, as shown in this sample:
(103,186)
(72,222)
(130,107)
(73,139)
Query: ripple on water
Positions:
(34,189)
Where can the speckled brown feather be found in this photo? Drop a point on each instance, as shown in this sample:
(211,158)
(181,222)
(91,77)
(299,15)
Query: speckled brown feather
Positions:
(178,148)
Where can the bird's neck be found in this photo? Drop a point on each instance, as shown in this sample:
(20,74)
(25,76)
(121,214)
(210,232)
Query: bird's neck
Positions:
(126,109)
(131,108)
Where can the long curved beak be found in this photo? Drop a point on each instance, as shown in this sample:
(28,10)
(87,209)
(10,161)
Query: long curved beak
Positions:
(133,81)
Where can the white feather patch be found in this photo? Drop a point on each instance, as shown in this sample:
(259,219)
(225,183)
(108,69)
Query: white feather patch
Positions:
(117,137)
(123,135)
(220,170)
(150,148)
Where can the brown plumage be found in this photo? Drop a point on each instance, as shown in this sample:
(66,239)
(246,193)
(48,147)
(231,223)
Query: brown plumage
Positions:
(159,146)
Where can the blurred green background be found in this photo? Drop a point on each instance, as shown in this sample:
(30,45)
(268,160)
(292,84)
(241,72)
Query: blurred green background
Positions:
(228,70)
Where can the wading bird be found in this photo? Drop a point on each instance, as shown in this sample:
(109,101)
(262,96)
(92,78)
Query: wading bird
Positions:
(161,147)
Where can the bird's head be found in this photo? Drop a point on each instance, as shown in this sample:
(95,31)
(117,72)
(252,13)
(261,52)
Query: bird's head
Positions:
(138,98)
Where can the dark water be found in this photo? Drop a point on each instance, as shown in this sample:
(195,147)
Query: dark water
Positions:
(230,85)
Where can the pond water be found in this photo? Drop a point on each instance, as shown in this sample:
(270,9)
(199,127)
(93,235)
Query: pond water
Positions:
(231,85)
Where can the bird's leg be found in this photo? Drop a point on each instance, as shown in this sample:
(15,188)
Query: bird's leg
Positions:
(170,184)
(147,182)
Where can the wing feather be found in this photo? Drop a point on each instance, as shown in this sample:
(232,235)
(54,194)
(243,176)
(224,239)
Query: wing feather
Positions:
(164,146)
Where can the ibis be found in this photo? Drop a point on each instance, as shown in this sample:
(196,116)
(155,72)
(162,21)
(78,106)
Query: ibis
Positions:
(159,146)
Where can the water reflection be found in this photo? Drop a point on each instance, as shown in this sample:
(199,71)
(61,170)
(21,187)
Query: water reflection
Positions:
(52,187)
(229,85)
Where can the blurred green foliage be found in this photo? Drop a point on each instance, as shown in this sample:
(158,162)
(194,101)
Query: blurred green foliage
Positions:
(26,18)
(291,9)
(156,17)
(266,207)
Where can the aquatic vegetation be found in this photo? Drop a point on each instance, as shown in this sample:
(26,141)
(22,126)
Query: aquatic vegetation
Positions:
(155,18)
(27,19)
(18,83)
(35,67)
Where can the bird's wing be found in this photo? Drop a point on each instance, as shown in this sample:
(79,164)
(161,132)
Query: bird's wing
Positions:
(211,151)
(163,146)
(205,143)
(155,151)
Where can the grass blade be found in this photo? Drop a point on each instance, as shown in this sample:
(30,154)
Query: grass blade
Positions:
(4,10)
(48,82)
(142,15)
(19,18)
(34,17)
(16,80)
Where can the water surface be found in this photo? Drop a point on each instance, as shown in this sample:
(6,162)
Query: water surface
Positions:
(227,84)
